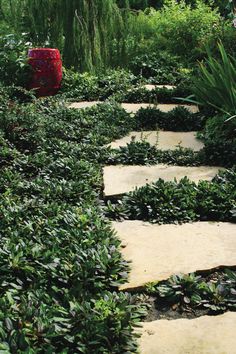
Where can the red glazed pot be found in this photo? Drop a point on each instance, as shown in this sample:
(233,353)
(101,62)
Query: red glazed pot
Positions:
(47,70)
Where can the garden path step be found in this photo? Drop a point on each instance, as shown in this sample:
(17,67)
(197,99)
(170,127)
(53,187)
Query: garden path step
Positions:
(151,87)
(134,107)
(157,252)
(122,179)
(164,140)
(203,335)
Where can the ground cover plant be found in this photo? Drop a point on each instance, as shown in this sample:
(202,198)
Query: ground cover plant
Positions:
(60,262)
(178,119)
(157,95)
(142,153)
(177,202)
(119,85)
(193,295)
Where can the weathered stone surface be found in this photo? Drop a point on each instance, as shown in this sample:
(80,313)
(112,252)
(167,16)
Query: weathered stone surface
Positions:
(203,335)
(153,87)
(159,251)
(164,140)
(83,104)
(122,179)
(134,107)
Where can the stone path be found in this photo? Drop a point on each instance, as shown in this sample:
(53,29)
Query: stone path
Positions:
(121,179)
(149,87)
(164,140)
(203,335)
(134,107)
(157,252)
(160,251)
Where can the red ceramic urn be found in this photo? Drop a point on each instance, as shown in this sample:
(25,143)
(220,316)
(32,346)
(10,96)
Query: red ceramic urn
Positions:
(47,70)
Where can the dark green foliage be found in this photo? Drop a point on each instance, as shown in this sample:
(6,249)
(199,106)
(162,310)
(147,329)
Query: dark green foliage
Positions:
(160,202)
(214,292)
(115,82)
(76,86)
(142,153)
(221,152)
(119,85)
(161,67)
(59,262)
(219,136)
(160,95)
(179,119)
(176,202)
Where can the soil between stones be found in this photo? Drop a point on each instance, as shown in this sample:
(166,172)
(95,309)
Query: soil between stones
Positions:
(160,310)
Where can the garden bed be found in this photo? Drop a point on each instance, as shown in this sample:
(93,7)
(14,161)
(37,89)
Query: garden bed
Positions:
(191,295)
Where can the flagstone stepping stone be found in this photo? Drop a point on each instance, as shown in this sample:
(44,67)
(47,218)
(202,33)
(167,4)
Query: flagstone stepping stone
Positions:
(134,107)
(157,252)
(164,140)
(122,179)
(203,335)
(84,104)
(149,87)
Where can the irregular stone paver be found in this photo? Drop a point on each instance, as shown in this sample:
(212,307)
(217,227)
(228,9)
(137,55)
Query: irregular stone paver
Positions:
(159,251)
(164,140)
(121,179)
(134,107)
(149,87)
(83,104)
(203,335)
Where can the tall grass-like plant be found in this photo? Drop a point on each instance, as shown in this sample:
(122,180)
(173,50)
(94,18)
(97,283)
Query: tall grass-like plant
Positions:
(216,84)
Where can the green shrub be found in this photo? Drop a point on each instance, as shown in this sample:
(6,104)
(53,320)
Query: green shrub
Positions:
(163,67)
(90,87)
(80,86)
(13,60)
(177,29)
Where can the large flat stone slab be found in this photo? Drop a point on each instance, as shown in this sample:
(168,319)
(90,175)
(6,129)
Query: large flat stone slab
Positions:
(203,335)
(134,107)
(160,251)
(150,87)
(84,104)
(121,179)
(163,140)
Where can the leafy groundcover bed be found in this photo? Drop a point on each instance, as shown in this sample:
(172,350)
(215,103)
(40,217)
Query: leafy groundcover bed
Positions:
(60,263)
(176,202)
(190,295)
(59,260)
